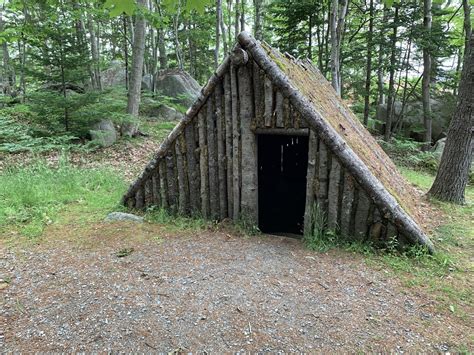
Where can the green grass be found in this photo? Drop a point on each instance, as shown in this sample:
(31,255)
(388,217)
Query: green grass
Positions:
(447,273)
(176,223)
(32,197)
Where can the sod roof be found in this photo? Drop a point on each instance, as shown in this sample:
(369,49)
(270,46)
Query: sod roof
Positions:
(308,80)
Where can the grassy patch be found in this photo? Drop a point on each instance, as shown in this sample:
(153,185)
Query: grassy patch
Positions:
(448,273)
(31,197)
(176,223)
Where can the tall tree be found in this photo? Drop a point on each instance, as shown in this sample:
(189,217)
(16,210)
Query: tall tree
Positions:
(368,74)
(426,81)
(391,83)
(258,19)
(218,27)
(134,89)
(336,23)
(453,173)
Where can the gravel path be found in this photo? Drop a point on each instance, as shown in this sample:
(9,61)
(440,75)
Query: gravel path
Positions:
(210,292)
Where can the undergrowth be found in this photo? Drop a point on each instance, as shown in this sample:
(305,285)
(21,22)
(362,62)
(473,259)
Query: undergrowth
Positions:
(175,222)
(31,197)
(408,153)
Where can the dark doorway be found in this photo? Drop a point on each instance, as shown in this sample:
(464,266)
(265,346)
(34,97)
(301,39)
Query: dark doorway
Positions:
(282,165)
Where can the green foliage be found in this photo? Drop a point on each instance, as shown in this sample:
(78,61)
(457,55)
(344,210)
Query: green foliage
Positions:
(31,197)
(408,153)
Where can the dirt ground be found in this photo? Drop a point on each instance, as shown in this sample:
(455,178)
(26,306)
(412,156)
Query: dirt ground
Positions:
(209,291)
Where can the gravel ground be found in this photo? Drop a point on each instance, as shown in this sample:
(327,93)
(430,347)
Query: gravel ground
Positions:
(212,292)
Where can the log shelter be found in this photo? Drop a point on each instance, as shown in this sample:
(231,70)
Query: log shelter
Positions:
(270,142)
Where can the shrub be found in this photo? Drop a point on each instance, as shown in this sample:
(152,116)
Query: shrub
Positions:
(408,153)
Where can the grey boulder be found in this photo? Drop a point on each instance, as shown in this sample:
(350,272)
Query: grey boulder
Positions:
(122,216)
(103,133)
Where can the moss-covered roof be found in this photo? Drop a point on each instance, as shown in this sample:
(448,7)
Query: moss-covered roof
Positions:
(307,79)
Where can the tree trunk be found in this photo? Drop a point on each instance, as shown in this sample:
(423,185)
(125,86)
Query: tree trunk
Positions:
(369,63)
(218,23)
(258,30)
(336,24)
(380,69)
(95,55)
(131,129)
(125,50)
(179,54)
(391,84)
(453,173)
(242,16)
(426,81)
(237,18)
(222,26)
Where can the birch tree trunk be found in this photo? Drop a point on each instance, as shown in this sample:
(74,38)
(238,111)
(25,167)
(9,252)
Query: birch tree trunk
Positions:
(380,69)
(426,81)
(391,84)
(368,73)
(218,24)
(336,24)
(94,53)
(453,173)
(131,129)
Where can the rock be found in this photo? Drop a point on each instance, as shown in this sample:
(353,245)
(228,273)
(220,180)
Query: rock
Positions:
(114,75)
(122,216)
(104,133)
(168,113)
(147,82)
(442,108)
(438,148)
(178,85)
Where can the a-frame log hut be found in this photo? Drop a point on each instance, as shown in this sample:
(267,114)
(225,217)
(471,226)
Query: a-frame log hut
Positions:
(267,140)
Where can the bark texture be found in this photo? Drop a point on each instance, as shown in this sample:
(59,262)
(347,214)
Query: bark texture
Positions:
(453,172)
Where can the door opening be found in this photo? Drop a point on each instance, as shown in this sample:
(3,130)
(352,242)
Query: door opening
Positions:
(282,167)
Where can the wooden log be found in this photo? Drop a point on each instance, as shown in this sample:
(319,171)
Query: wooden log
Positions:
(287,122)
(279,109)
(221,153)
(333,194)
(239,57)
(156,188)
(249,194)
(190,114)
(377,228)
(283,131)
(323,177)
(130,202)
(259,95)
(268,112)
(172,178)
(163,184)
(140,198)
(347,205)
(212,159)
(228,143)
(296,118)
(183,187)
(193,172)
(148,192)
(203,165)
(235,144)
(361,215)
(392,233)
(378,193)
(310,175)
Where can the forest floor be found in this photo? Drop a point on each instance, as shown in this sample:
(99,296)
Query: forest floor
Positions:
(183,285)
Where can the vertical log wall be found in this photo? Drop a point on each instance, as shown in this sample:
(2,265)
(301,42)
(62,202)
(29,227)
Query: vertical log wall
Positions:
(211,167)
